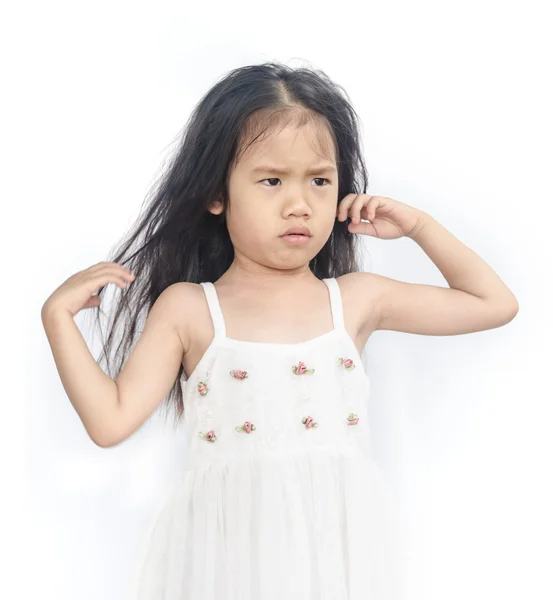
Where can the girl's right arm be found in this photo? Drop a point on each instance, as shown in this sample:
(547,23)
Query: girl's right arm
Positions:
(112,410)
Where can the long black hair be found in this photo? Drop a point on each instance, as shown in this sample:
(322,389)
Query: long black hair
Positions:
(177,239)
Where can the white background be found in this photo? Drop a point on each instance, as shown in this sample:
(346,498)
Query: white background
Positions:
(455,102)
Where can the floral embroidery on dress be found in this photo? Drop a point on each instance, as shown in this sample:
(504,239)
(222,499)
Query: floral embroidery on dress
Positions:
(301,369)
(309,422)
(353,419)
(202,388)
(347,363)
(247,427)
(209,436)
(238,374)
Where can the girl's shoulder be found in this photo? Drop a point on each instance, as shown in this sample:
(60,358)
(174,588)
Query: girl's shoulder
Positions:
(185,302)
(183,295)
(360,293)
(359,285)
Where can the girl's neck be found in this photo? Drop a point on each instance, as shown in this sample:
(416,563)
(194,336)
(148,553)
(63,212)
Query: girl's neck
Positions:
(260,277)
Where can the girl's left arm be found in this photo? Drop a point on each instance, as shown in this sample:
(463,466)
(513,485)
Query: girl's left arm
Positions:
(477,299)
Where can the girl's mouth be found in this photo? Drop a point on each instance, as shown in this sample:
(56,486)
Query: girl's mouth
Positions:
(296,239)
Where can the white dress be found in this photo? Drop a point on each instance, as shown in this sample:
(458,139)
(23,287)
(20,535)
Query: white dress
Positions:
(280,498)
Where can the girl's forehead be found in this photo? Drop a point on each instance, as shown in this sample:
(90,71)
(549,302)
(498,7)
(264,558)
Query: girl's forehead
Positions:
(274,147)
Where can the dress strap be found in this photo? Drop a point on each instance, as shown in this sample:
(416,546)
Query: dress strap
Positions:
(214,308)
(335,302)
(216,313)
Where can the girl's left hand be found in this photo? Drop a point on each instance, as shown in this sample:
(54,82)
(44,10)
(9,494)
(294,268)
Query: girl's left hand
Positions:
(389,219)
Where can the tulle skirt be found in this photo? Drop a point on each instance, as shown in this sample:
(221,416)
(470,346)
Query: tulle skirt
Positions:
(317,526)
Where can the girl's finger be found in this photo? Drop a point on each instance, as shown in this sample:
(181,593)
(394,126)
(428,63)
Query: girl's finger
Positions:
(371,207)
(102,279)
(358,204)
(97,266)
(107,265)
(344,205)
(363,228)
(112,271)
(92,302)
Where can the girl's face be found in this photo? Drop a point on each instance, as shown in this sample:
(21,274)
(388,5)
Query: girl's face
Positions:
(265,204)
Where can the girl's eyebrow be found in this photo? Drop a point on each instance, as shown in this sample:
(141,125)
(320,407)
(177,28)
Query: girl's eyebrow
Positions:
(281,171)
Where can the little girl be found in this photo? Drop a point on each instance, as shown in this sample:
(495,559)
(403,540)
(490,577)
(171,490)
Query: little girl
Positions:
(257,314)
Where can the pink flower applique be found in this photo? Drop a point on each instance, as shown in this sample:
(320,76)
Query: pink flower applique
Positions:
(353,419)
(202,388)
(209,436)
(238,374)
(301,369)
(247,427)
(309,422)
(347,363)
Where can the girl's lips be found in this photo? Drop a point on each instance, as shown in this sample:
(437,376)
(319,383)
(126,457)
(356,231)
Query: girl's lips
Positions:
(296,239)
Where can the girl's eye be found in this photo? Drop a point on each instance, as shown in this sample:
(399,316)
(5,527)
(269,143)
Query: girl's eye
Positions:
(277,179)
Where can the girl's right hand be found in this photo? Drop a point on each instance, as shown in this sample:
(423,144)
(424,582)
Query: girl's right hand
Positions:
(79,290)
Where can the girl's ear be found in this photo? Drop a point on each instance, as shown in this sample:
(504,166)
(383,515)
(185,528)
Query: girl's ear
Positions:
(215,207)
